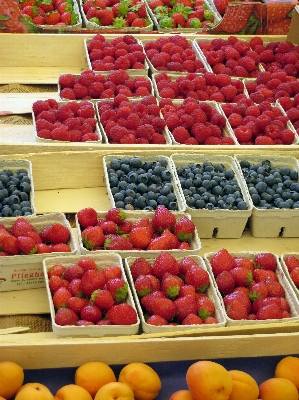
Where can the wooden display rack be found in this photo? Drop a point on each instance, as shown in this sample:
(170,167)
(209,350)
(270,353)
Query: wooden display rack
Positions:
(68,177)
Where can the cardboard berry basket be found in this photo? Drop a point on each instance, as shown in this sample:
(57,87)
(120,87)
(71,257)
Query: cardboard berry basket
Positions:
(219,223)
(42,140)
(275,222)
(211,293)
(15,166)
(290,296)
(103,261)
(283,257)
(134,216)
(176,186)
(26,271)
(130,71)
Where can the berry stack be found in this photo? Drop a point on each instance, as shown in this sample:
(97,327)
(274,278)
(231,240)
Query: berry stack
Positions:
(174,293)
(215,194)
(273,185)
(90,296)
(290,265)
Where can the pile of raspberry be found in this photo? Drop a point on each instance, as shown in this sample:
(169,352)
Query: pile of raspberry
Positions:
(278,56)
(208,86)
(132,122)
(70,122)
(231,56)
(173,54)
(271,86)
(89,85)
(194,122)
(258,124)
(122,52)
(291,107)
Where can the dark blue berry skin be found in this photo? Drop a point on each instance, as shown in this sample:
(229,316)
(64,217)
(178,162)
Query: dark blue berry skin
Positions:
(273,187)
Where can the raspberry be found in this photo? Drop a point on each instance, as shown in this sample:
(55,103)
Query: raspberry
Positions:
(210,78)
(229,92)
(212,140)
(158,124)
(66,81)
(39,106)
(235,120)
(293,114)
(80,91)
(287,136)
(241,72)
(145,131)
(257,97)
(157,138)
(228,140)
(256,41)
(243,134)
(218,97)
(118,77)
(272,131)
(263,140)
(86,78)
(116,133)
(167,93)
(248,63)
(267,57)
(86,111)
(61,133)
(68,94)
(44,134)
(262,121)
(75,135)
(180,134)
(200,132)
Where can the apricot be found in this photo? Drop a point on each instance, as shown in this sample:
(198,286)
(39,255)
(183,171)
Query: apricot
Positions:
(93,375)
(208,380)
(115,391)
(71,392)
(2,398)
(142,379)
(278,389)
(34,391)
(11,378)
(288,368)
(181,395)
(244,386)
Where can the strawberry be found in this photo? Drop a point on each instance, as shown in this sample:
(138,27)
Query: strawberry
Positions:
(236,310)
(221,6)
(60,248)
(116,215)
(60,297)
(271,311)
(26,245)
(34,236)
(124,228)
(55,282)
(240,296)
(164,307)
(171,285)
(73,272)
(242,276)
(184,229)
(244,262)
(87,263)
(159,243)
(171,240)
(139,267)
(74,287)
(186,289)
(118,288)
(222,261)
(275,288)
(91,281)
(156,320)
(147,300)
(258,290)
(65,316)
(58,233)
(42,248)
(163,219)
(291,262)
(206,308)
(87,217)
(143,285)
(140,237)
(10,245)
(294,275)
(103,299)
(46,5)
(112,272)
(139,23)
(185,305)
(91,313)
(165,262)
(225,282)
(115,242)
(56,270)
(20,227)
(108,227)
(260,275)
(52,18)
(122,314)
(93,237)
(184,265)
(265,261)
(192,319)
(198,277)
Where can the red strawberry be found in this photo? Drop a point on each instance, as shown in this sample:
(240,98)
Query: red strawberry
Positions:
(294,275)
(60,297)
(43,248)
(52,18)
(60,248)
(165,262)
(244,262)
(275,288)
(143,285)
(184,265)
(112,272)
(240,296)
(122,314)
(242,276)
(222,261)
(20,227)
(87,263)
(65,316)
(55,282)
(147,300)
(225,282)
(291,262)
(115,242)
(56,270)
(164,307)
(93,237)
(163,219)
(236,310)
(258,290)
(156,320)
(139,267)
(118,288)
(186,289)
(171,285)
(87,217)
(116,215)
(26,245)
(74,287)
(140,237)
(73,272)
(185,305)
(184,229)
(271,311)
(124,228)
(91,313)
(260,275)
(91,281)
(198,277)
(171,240)
(108,227)
(35,236)
(76,304)
(206,308)
(221,6)
(58,233)
(192,319)
(155,282)
(10,245)
(103,299)
(265,261)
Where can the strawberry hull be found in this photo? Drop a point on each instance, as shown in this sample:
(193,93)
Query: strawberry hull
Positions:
(211,293)
(290,296)
(103,261)
(283,257)
(26,271)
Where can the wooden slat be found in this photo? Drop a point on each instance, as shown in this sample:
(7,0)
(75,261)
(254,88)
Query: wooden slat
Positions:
(21,103)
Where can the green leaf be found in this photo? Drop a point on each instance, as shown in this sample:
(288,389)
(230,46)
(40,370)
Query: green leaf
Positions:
(4,17)
(166,22)
(74,18)
(30,26)
(119,22)
(46,2)
(208,15)
(95,20)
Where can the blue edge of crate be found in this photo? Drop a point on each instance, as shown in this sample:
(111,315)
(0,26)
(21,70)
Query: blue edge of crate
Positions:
(172,374)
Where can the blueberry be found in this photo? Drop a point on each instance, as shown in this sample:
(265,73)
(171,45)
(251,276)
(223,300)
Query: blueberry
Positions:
(296,205)
(152,195)
(207,184)
(166,175)
(293,175)
(162,161)
(122,185)
(295,196)
(156,179)
(147,165)
(173,206)
(165,191)
(118,196)
(255,199)
(142,188)
(242,205)
(130,193)
(24,179)
(120,173)
(152,203)
(200,204)
(125,168)
(135,162)
(7,211)
(17,213)
(162,200)
(261,187)
(244,164)
(286,195)
(228,189)
(13,199)
(129,200)
(119,204)
(141,202)
(113,181)
(190,201)
(143,178)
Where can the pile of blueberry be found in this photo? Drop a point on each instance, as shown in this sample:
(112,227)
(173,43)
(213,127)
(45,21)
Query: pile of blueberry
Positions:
(271,186)
(15,188)
(141,185)
(211,186)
